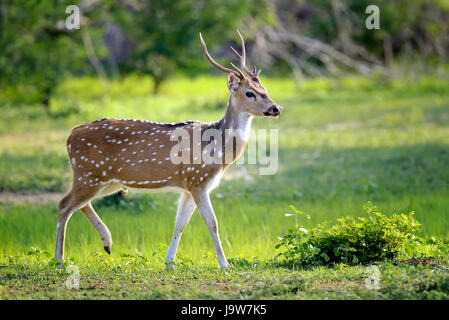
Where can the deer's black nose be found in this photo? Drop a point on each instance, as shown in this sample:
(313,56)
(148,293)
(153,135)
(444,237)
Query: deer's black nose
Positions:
(276,110)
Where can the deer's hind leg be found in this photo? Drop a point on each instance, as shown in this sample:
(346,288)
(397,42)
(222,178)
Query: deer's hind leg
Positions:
(93,217)
(76,198)
(102,229)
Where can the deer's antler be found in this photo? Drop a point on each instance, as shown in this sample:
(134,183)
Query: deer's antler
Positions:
(237,71)
(252,73)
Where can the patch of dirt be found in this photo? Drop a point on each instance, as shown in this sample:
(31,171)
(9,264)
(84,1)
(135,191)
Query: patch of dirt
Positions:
(44,197)
(332,285)
(426,261)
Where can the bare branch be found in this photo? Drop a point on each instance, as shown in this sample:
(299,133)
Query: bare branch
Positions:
(319,50)
(96,63)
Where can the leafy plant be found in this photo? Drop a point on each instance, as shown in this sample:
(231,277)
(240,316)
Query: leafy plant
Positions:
(353,241)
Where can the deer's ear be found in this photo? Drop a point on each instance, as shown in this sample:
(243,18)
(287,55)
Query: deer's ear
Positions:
(233,83)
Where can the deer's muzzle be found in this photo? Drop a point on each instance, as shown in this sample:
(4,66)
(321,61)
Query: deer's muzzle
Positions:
(274,111)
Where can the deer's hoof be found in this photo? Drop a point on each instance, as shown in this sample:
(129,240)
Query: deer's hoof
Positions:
(226,267)
(170,266)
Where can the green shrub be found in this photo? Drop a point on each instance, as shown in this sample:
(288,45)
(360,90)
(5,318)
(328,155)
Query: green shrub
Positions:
(353,241)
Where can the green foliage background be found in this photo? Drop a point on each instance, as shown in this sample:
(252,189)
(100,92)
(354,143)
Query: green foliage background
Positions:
(343,140)
(37,52)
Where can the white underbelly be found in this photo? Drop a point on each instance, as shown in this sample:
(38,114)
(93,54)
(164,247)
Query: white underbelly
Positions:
(114,187)
(157,190)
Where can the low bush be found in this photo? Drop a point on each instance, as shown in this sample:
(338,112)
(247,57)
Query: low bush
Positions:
(363,240)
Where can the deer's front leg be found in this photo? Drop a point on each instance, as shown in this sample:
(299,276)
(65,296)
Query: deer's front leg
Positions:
(206,210)
(186,207)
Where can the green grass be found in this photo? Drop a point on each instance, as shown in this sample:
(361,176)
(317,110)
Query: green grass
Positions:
(133,277)
(341,143)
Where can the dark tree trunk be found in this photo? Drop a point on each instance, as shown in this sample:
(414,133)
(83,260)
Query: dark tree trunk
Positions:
(156,85)
(46,100)
(388,50)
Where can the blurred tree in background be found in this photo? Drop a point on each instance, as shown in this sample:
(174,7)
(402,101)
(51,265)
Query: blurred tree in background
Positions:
(166,31)
(318,37)
(159,38)
(38,51)
(33,51)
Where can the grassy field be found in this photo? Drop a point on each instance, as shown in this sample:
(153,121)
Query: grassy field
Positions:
(342,143)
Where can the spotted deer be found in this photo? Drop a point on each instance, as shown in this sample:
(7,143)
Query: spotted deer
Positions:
(109,155)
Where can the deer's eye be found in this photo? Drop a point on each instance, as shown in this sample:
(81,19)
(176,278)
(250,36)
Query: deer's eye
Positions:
(250,94)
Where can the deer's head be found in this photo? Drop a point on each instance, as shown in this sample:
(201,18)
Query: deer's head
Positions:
(246,90)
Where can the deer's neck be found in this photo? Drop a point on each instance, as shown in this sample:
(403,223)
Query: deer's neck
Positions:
(235,127)
(237,121)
